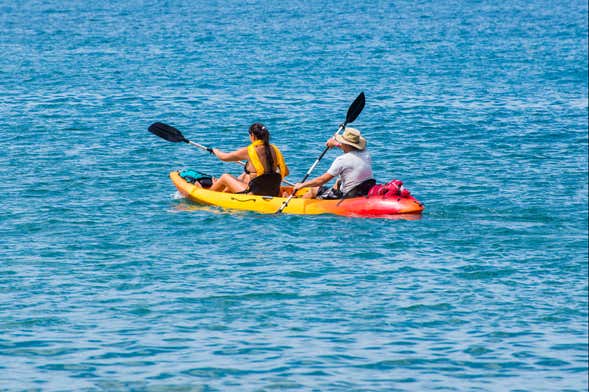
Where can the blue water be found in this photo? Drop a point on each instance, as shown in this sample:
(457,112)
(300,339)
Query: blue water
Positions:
(110,281)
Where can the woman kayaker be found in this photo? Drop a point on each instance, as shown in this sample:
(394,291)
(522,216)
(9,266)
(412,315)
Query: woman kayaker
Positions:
(264,170)
(354,168)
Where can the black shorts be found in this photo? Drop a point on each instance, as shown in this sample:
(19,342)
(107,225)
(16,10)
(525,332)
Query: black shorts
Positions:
(328,193)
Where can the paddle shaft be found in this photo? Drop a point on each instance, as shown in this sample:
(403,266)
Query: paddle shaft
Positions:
(321,156)
(208,149)
(283,206)
(353,112)
(197,145)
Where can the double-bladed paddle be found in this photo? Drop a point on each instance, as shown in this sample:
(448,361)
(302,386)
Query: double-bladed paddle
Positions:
(171,134)
(353,112)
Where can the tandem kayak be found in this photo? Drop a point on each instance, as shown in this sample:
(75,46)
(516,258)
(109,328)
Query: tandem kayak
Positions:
(373,206)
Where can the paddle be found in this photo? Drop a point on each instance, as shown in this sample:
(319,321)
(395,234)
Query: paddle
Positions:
(353,112)
(171,134)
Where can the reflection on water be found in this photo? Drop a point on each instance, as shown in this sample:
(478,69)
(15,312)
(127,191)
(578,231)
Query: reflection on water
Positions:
(408,217)
(188,205)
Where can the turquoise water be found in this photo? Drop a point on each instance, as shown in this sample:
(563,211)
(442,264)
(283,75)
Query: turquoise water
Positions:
(110,281)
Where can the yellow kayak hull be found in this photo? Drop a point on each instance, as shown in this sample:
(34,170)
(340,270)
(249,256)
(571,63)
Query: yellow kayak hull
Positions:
(358,206)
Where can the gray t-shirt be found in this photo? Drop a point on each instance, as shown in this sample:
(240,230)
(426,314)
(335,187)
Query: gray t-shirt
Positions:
(353,167)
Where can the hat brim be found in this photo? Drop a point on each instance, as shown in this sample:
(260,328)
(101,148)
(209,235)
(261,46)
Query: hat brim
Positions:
(360,146)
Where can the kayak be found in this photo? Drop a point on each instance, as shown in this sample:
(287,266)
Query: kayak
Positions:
(363,206)
(373,206)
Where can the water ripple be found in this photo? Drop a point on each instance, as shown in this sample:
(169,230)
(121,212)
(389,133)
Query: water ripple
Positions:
(111,281)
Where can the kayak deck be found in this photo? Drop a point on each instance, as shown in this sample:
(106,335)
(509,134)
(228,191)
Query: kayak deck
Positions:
(357,206)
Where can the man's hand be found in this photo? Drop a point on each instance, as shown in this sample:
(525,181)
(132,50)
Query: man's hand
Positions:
(332,143)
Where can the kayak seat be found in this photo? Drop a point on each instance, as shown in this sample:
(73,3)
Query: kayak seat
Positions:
(361,190)
(265,185)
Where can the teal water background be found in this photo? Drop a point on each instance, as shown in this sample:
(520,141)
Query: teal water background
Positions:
(110,281)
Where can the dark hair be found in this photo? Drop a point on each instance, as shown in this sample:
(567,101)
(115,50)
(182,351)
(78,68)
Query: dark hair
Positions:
(260,132)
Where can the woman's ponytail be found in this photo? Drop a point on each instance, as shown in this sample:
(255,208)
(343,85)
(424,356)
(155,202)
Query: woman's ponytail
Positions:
(261,133)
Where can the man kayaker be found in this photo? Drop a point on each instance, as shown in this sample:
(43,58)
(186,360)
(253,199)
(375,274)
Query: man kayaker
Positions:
(354,168)
(264,170)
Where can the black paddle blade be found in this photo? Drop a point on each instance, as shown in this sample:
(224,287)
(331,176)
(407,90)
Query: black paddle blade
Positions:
(167,132)
(355,108)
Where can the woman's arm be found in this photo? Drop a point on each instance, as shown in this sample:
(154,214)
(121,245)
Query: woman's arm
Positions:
(232,156)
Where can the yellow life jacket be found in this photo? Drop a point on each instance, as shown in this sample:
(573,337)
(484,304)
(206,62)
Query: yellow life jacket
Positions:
(254,159)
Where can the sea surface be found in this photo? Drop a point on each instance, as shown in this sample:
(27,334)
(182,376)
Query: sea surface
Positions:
(110,281)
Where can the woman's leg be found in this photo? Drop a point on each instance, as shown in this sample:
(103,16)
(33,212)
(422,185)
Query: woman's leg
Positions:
(244,177)
(228,183)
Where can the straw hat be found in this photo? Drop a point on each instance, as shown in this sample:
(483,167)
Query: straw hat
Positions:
(352,137)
